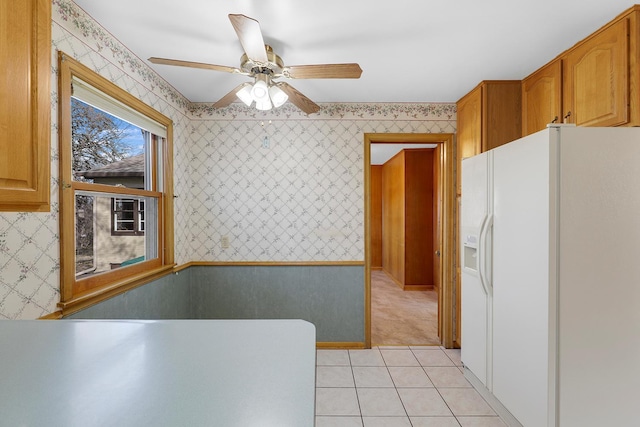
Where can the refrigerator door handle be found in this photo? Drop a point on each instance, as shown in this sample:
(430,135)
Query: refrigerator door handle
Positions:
(483,251)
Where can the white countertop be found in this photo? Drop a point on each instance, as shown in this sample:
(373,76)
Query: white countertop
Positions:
(157,373)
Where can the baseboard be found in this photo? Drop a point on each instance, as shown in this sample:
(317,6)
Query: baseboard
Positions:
(408,287)
(417,288)
(497,406)
(340,345)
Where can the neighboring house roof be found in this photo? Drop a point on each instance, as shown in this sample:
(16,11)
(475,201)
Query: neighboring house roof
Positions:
(129,167)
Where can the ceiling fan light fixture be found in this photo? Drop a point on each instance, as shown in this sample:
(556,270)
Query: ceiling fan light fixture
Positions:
(278,97)
(260,90)
(264,104)
(245,94)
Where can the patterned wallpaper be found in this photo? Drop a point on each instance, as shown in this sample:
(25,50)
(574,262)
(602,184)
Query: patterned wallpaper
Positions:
(298,196)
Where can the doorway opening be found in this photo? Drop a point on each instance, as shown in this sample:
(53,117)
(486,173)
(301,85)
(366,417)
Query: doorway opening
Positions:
(436,256)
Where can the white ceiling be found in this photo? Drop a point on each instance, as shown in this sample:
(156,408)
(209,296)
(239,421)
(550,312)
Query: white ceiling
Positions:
(409,50)
(381,153)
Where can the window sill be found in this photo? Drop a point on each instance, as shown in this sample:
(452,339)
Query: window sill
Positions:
(94,296)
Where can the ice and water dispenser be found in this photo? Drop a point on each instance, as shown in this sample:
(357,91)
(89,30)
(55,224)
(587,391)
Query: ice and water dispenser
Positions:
(470,253)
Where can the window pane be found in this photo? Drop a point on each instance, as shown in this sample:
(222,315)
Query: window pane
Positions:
(105,149)
(85,257)
(124,225)
(98,248)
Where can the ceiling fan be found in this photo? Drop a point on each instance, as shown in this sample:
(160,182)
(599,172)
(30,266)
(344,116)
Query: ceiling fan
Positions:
(265,67)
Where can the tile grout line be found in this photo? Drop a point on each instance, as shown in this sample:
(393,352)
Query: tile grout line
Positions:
(395,387)
(436,387)
(355,386)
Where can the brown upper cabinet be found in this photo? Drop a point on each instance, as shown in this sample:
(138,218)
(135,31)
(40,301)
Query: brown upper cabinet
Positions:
(594,83)
(488,117)
(542,98)
(25,106)
(596,78)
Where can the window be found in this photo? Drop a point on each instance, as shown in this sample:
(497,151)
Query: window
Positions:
(127,217)
(116,209)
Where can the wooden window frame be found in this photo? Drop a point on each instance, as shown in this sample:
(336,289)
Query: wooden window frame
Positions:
(75,294)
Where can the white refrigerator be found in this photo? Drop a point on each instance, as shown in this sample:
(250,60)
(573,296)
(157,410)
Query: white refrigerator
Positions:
(550,260)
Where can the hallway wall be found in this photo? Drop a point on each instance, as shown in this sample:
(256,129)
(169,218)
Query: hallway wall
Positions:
(407,218)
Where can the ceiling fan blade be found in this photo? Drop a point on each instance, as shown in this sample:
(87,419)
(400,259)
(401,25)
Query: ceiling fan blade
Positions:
(323,71)
(250,36)
(228,98)
(165,61)
(298,99)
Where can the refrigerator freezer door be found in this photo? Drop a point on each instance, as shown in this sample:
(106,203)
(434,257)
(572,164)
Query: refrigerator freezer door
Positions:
(475,300)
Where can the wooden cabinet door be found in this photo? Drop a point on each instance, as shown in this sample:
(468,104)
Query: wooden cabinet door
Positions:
(501,112)
(542,98)
(470,124)
(25,112)
(596,79)
(469,130)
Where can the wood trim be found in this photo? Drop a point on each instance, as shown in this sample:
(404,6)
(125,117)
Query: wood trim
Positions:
(340,345)
(181,267)
(266,264)
(449,323)
(112,189)
(67,231)
(167,202)
(52,316)
(104,280)
(271,263)
(411,288)
(367,238)
(446,301)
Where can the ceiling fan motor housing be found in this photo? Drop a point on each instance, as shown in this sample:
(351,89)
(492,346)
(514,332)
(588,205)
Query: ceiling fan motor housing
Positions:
(273,67)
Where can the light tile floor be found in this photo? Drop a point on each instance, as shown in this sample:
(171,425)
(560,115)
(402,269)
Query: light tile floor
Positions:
(397,387)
